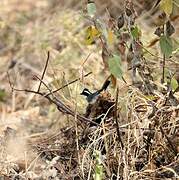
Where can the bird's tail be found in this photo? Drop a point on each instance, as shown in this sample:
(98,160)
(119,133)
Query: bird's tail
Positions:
(105,85)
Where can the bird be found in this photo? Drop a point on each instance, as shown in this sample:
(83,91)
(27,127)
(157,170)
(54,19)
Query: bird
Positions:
(92,97)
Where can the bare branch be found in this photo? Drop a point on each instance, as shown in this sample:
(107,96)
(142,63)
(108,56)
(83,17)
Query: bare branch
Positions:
(116,119)
(60,105)
(54,91)
(45,68)
(22,90)
(44,84)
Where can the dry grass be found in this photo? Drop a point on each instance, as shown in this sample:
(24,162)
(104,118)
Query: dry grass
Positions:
(39,142)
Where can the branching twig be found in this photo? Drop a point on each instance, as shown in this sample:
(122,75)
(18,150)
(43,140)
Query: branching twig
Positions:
(42,82)
(22,90)
(56,90)
(45,68)
(60,105)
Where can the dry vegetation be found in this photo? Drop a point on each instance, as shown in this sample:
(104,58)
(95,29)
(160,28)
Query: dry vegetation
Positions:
(54,137)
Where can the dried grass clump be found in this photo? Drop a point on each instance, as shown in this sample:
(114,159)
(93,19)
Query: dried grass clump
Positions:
(134,136)
(147,147)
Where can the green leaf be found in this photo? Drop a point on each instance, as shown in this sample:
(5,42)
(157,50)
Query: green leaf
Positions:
(91,9)
(2,95)
(136,32)
(98,175)
(151,97)
(166,45)
(175,51)
(114,63)
(98,172)
(174,84)
(166,6)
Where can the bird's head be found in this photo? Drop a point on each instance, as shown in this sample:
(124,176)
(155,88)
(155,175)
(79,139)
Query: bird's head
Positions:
(85,92)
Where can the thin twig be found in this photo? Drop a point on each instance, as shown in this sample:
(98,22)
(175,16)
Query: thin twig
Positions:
(149,51)
(163,62)
(22,90)
(86,59)
(56,90)
(45,68)
(50,91)
(60,105)
(116,119)
(163,69)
